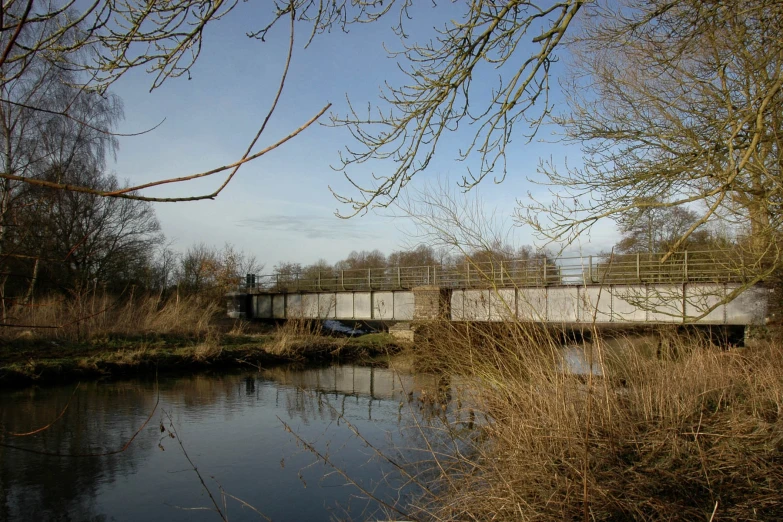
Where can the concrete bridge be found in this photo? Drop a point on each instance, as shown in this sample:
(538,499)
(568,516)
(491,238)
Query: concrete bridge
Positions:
(708,288)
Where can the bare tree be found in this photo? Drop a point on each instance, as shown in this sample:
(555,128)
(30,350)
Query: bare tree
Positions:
(657,229)
(675,103)
(211,272)
(98,42)
(89,238)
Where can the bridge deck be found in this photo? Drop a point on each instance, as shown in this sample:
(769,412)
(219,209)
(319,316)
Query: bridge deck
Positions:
(702,303)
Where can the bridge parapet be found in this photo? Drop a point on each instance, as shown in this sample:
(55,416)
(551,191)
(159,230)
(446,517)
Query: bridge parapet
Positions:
(714,266)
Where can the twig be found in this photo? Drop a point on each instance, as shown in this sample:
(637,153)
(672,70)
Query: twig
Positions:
(100,454)
(192,465)
(326,460)
(51,423)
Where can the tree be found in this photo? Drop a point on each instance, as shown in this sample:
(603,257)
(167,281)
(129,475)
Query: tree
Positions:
(362,260)
(422,255)
(207,271)
(56,239)
(96,44)
(675,103)
(657,229)
(88,238)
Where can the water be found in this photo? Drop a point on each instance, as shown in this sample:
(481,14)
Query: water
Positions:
(233,427)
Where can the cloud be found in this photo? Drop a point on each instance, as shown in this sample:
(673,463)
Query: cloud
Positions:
(311,227)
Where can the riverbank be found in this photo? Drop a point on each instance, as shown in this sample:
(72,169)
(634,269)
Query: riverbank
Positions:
(28,360)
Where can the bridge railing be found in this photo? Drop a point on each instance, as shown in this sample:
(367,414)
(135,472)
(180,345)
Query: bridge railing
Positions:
(680,267)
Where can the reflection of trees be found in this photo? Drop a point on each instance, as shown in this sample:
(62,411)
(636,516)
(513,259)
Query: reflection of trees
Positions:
(98,418)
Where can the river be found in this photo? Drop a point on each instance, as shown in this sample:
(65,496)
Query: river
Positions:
(233,426)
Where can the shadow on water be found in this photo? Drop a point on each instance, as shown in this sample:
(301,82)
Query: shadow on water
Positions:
(232,427)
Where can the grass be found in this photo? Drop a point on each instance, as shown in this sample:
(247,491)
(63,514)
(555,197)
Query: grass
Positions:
(146,334)
(691,432)
(83,318)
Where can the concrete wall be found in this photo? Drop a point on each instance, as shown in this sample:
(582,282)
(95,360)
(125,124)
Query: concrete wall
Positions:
(651,303)
(389,306)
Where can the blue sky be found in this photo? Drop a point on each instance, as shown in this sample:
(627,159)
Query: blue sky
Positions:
(279,207)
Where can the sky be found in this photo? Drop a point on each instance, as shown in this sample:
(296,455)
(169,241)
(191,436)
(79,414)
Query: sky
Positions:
(279,207)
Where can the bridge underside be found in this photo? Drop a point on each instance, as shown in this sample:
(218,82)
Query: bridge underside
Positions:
(630,304)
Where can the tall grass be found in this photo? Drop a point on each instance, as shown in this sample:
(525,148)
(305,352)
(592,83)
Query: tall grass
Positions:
(692,432)
(295,335)
(81,318)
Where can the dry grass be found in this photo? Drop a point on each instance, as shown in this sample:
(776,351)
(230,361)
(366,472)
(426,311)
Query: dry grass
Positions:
(675,434)
(209,349)
(89,317)
(294,335)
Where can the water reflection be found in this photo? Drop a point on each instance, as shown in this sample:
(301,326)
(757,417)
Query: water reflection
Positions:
(231,426)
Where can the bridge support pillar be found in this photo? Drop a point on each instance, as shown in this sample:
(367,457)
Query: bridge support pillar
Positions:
(431,303)
(238,307)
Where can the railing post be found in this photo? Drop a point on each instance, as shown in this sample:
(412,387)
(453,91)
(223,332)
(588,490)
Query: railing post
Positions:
(467,276)
(428,274)
(342,279)
(277,281)
(434,275)
(318,285)
(590,268)
(297,281)
(501,272)
(369,278)
(686,265)
(399,281)
(638,267)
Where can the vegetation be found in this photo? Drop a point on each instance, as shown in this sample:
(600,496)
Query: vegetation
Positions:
(683,432)
(148,334)
(676,105)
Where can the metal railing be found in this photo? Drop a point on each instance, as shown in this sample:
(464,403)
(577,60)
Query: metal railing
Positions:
(681,267)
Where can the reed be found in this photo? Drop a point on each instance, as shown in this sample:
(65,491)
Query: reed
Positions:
(689,432)
(93,316)
(294,336)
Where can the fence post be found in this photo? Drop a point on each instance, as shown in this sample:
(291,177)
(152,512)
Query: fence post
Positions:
(686,265)
(501,272)
(399,281)
(342,279)
(369,278)
(297,281)
(318,286)
(434,275)
(428,274)
(467,277)
(277,281)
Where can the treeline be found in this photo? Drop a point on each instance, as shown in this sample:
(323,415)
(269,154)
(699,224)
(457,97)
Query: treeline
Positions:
(420,256)
(422,265)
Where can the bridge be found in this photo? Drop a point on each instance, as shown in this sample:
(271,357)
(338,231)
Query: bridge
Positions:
(706,288)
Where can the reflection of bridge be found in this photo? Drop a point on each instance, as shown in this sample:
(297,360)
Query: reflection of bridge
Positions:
(689,287)
(369,381)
